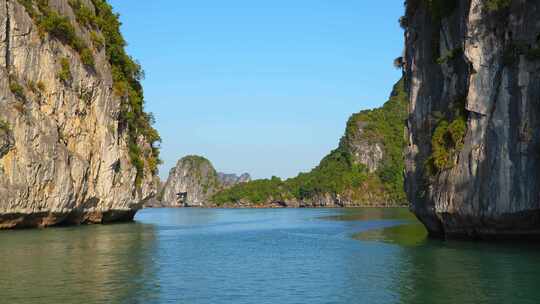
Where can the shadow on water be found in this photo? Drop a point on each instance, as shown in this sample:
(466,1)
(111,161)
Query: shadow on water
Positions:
(409,234)
(264,257)
(370,214)
(465,272)
(402,227)
(435,271)
(95,264)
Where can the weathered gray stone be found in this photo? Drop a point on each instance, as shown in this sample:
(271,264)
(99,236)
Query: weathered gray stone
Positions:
(64,160)
(493,186)
(229,180)
(195,178)
(364,150)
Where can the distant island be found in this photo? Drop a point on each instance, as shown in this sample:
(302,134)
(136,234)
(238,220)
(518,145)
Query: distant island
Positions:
(193,181)
(365,170)
(457,141)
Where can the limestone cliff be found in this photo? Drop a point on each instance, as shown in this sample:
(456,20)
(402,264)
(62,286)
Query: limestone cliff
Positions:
(194,180)
(229,180)
(75,144)
(365,170)
(473,156)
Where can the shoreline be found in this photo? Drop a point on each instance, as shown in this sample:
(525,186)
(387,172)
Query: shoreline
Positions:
(274,207)
(45,219)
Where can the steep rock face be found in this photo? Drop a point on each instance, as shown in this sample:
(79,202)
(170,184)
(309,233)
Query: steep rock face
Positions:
(64,156)
(195,177)
(473,160)
(155,201)
(364,151)
(6,139)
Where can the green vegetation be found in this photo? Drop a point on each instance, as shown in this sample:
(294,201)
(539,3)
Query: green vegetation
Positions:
(87,57)
(97,40)
(104,30)
(202,165)
(195,161)
(36,88)
(339,173)
(257,192)
(29,6)
(127,75)
(335,174)
(4,126)
(40,86)
(447,140)
(58,27)
(533,53)
(449,56)
(496,5)
(16,88)
(137,162)
(84,15)
(386,125)
(518,48)
(32,86)
(441,9)
(65,71)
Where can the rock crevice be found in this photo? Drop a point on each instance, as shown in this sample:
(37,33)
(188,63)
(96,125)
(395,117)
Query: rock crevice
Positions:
(490,186)
(7,37)
(64,157)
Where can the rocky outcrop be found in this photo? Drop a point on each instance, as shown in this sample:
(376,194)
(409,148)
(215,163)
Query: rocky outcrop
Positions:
(473,74)
(190,183)
(194,180)
(363,149)
(155,201)
(229,180)
(6,138)
(67,153)
(366,169)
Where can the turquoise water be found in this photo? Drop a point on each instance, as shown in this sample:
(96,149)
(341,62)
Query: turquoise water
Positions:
(262,256)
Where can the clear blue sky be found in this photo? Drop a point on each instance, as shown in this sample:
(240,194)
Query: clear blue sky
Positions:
(264,87)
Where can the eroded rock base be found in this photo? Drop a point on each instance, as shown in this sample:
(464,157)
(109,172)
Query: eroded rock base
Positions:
(73,218)
(515,226)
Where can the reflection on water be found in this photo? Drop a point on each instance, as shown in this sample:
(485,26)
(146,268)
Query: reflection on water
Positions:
(462,272)
(97,264)
(403,229)
(410,234)
(370,214)
(262,256)
(432,271)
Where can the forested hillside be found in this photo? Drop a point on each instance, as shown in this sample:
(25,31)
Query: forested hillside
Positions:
(365,169)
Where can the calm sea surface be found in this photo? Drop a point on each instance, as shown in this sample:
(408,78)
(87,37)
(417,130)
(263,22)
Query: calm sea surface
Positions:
(262,256)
